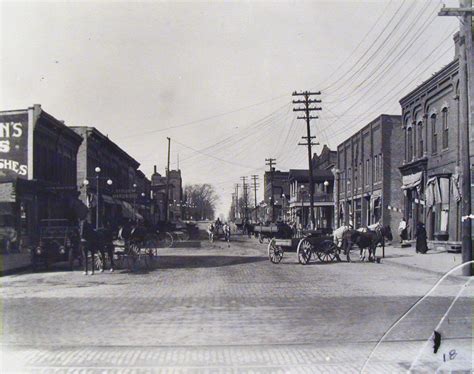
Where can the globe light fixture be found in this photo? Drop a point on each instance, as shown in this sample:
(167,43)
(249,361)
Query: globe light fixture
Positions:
(109,182)
(97,169)
(85,182)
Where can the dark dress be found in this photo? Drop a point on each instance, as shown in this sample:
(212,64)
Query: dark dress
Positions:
(421,244)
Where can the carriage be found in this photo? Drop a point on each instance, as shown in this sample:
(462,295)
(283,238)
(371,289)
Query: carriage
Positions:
(309,244)
(58,241)
(324,245)
(278,230)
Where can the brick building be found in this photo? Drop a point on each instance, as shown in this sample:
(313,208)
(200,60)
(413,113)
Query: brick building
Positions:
(367,179)
(432,158)
(323,178)
(276,181)
(118,174)
(37,172)
(175,195)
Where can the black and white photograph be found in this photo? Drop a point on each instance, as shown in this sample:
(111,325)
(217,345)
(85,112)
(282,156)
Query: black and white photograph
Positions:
(246,186)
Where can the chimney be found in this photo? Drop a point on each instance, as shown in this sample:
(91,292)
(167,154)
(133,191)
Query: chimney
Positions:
(154,169)
(457,40)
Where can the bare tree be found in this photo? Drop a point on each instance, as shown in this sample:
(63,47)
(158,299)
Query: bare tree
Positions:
(201,200)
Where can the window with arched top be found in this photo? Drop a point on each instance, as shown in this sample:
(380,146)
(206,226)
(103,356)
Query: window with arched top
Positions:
(445,129)
(434,135)
(410,144)
(421,143)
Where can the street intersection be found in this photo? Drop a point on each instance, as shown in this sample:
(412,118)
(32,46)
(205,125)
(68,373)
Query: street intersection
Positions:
(226,308)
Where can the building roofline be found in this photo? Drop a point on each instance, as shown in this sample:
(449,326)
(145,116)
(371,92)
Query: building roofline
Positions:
(425,84)
(376,119)
(94,131)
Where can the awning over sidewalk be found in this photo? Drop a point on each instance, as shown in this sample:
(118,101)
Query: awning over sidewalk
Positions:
(411,180)
(127,210)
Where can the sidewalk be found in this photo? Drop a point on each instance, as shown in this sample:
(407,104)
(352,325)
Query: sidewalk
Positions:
(12,262)
(438,261)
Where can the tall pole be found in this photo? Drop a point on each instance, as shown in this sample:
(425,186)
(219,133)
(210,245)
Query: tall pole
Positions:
(271,162)
(97,205)
(255,177)
(307,109)
(465,13)
(237,200)
(244,186)
(167,182)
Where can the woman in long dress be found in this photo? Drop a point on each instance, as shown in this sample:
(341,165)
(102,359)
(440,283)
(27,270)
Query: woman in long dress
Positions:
(421,244)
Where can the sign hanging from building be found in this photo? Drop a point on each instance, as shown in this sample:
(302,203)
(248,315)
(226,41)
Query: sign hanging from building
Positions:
(13,146)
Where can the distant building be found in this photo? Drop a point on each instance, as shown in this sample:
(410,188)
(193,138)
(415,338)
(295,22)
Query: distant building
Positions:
(117,201)
(431,165)
(175,195)
(37,172)
(276,181)
(323,178)
(367,180)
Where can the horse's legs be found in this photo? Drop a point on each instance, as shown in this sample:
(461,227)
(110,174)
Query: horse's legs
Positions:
(84,257)
(110,251)
(102,257)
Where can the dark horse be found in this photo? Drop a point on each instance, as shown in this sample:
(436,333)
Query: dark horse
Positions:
(366,240)
(96,241)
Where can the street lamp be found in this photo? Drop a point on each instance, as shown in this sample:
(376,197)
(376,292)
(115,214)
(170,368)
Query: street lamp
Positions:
(86,183)
(326,184)
(135,201)
(302,191)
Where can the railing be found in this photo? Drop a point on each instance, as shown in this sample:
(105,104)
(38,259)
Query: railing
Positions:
(318,197)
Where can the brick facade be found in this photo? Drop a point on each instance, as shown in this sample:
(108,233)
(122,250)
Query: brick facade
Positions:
(432,147)
(367,180)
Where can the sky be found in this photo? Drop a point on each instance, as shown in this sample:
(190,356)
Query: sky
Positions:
(217,77)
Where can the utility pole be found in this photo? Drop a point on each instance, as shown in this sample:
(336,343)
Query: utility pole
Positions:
(167,182)
(237,200)
(270,162)
(255,178)
(465,13)
(244,186)
(307,109)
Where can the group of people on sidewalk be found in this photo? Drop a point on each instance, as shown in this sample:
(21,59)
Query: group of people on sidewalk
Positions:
(420,235)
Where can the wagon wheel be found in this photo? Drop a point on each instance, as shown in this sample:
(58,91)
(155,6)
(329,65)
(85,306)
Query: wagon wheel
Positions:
(131,256)
(152,244)
(275,252)
(304,251)
(168,240)
(99,262)
(327,251)
(185,236)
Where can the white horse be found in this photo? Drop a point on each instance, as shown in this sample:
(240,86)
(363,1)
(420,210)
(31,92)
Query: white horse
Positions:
(338,234)
(211,230)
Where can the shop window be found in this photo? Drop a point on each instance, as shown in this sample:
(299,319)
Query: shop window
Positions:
(445,128)
(434,135)
(358,213)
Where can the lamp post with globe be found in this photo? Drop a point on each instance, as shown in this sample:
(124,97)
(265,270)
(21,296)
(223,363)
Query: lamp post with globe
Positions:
(97,178)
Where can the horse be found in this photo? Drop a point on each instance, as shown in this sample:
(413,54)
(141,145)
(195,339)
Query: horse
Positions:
(93,241)
(212,231)
(366,240)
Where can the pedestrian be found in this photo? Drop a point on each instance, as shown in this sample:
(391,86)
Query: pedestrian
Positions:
(421,244)
(402,230)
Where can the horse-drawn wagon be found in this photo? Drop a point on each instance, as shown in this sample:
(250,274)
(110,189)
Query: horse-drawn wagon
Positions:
(58,241)
(328,247)
(308,244)
(278,230)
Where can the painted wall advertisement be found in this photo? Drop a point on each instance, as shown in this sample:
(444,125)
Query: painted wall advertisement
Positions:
(13,146)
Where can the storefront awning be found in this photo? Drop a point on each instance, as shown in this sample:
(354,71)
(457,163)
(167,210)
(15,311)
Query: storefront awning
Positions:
(411,181)
(107,199)
(127,210)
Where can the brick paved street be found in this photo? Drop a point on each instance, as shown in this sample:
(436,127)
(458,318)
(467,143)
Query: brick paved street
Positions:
(228,309)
